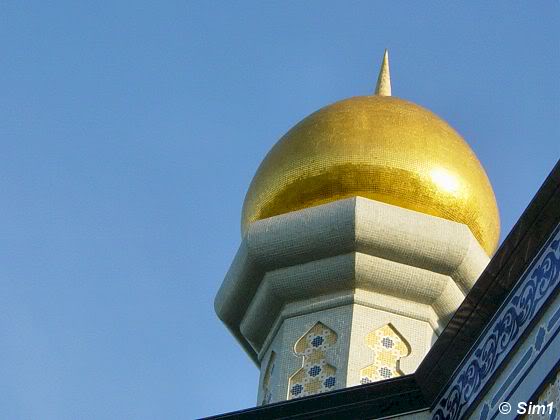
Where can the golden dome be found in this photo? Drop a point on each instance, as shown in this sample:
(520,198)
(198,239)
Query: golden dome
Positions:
(382,148)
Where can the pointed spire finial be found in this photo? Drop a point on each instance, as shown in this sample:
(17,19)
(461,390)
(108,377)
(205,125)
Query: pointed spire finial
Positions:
(383,87)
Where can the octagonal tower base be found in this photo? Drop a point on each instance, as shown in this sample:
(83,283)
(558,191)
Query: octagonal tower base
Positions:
(345,293)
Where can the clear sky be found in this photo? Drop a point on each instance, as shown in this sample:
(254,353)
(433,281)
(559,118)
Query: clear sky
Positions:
(130,131)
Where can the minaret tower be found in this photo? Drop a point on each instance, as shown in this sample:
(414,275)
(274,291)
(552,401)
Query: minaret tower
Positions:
(363,229)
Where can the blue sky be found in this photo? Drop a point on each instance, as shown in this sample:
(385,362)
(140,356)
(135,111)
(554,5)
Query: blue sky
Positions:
(130,132)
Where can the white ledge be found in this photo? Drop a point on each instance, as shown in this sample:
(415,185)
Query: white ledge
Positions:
(438,260)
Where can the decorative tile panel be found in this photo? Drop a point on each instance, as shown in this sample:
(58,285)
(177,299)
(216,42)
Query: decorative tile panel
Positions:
(535,347)
(316,375)
(388,347)
(528,296)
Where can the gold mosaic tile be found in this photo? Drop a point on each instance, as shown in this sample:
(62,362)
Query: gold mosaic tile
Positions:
(382,148)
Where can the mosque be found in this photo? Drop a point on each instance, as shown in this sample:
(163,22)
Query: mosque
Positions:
(368,283)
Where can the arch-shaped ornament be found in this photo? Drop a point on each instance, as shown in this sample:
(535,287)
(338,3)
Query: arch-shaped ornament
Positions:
(316,375)
(388,347)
